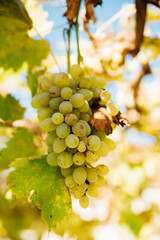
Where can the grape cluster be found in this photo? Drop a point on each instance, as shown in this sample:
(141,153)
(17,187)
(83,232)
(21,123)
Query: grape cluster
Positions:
(64,110)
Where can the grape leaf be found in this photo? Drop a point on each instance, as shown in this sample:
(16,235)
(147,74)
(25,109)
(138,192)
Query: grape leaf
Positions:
(13,12)
(19,146)
(10,109)
(49,191)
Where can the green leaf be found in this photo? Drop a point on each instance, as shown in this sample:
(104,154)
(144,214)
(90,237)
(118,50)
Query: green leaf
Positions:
(13,12)
(10,109)
(49,191)
(19,146)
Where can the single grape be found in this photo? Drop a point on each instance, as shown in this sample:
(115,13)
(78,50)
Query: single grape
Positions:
(93,143)
(59,145)
(85,107)
(76,112)
(55,102)
(84,201)
(103,150)
(45,98)
(62,80)
(65,160)
(47,125)
(87,127)
(79,175)
(99,133)
(52,78)
(71,119)
(79,129)
(102,170)
(36,102)
(69,181)
(63,130)
(105,96)
(85,83)
(72,141)
(66,93)
(91,157)
(81,147)
(92,191)
(73,84)
(100,82)
(77,100)
(52,159)
(67,171)
(96,91)
(57,118)
(88,94)
(92,175)
(79,158)
(45,113)
(48,74)
(50,139)
(54,91)
(112,108)
(110,144)
(78,194)
(77,72)
(46,84)
(65,107)
(82,187)
(41,78)
(85,117)
(99,182)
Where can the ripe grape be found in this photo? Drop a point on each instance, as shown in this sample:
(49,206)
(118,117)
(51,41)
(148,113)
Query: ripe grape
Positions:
(88,94)
(47,125)
(54,91)
(52,159)
(93,143)
(45,113)
(79,175)
(45,98)
(81,147)
(69,181)
(62,80)
(65,107)
(85,107)
(65,160)
(66,93)
(85,117)
(92,191)
(112,108)
(77,100)
(85,83)
(36,102)
(79,129)
(110,144)
(92,175)
(52,78)
(76,112)
(63,130)
(77,72)
(96,91)
(84,201)
(55,102)
(102,170)
(67,171)
(59,145)
(71,119)
(72,141)
(105,96)
(46,84)
(50,139)
(57,118)
(79,158)
(91,157)
(87,127)
(82,187)
(78,194)
(99,182)
(103,150)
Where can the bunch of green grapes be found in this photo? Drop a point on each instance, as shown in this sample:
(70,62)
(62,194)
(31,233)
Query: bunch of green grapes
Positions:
(64,110)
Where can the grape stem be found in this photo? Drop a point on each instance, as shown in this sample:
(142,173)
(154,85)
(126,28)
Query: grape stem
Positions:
(79,57)
(49,48)
(69,49)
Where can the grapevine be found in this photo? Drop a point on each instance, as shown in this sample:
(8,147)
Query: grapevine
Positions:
(64,110)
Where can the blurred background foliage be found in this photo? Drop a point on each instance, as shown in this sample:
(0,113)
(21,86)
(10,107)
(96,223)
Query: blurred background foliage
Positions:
(128,207)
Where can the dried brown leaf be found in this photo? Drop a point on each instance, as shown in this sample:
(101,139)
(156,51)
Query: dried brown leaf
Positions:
(72,9)
(102,120)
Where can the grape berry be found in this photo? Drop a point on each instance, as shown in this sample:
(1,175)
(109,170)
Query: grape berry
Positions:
(64,111)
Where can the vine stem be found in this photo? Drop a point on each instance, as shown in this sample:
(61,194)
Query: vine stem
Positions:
(55,60)
(69,50)
(79,57)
